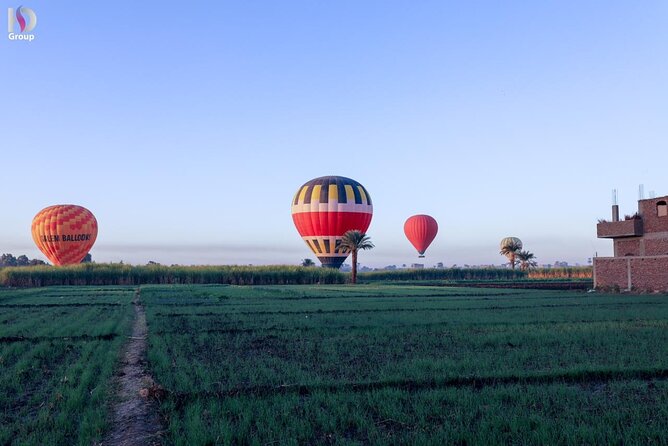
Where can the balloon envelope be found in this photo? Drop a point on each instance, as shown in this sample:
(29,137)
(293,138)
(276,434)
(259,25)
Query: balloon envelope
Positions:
(324,209)
(64,233)
(421,230)
(510,240)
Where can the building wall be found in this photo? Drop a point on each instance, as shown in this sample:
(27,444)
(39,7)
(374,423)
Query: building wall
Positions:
(656,246)
(627,246)
(610,272)
(651,221)
(647,273)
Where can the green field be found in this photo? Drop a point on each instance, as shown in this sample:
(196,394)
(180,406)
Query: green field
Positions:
(337,364)
(58,350)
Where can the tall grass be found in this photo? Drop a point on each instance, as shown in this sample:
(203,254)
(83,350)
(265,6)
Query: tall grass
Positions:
(478,274)
(445,274)
(119,274)
(571,272)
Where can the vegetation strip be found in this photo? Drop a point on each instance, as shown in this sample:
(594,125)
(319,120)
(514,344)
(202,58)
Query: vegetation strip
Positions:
(385,296)
(370,296)
(36,339)
(397,326)
(135,419)
(530,284)
(117,274)
(398,310)
(580,377)
(59,305)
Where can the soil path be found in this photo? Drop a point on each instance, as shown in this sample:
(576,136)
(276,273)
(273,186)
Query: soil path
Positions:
(135,414)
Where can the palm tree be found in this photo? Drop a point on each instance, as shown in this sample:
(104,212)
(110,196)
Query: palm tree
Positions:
(352,241)
(308,262)
(526,259)
(510,250)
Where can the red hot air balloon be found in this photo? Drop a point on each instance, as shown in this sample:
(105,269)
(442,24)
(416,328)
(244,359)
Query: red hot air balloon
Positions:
(324,209)
(421,230)
(64,233)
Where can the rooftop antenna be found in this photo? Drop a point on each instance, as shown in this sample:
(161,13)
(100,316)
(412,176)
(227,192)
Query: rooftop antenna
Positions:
(641,192)
(615,207)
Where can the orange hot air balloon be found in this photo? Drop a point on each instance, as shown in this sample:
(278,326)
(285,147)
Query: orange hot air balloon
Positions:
(421,230)
(64,233)
(324,208)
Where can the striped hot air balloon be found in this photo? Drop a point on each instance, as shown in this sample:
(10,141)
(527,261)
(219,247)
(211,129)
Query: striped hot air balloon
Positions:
(324,209)
(421,230)
(64,233)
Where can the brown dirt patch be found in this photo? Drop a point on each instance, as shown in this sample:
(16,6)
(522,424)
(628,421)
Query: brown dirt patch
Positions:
(135,414)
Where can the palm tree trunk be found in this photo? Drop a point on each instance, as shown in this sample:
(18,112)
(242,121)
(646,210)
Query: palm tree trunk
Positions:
(353,275)
(512,261)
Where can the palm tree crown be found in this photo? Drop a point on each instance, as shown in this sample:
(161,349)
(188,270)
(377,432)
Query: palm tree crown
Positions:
(526,259)
(510,250)
(352,241)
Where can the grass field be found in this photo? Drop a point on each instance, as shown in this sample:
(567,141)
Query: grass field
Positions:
(333,364)
(411,365)
(58,350)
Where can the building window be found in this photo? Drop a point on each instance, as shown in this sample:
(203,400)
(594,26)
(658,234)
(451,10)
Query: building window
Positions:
(661,208)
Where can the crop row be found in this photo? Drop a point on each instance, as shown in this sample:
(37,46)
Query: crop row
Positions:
(63,321)
(200,362)
(477,274)
(64,295)
(630,412)
(119,274)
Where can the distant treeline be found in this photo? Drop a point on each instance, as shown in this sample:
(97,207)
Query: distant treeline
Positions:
(22,260)
(119,274)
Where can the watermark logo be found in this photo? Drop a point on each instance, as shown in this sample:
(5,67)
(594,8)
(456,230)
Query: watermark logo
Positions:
(24,19)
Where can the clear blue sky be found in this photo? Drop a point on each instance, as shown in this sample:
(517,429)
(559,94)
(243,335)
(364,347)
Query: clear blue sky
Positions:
(187,128)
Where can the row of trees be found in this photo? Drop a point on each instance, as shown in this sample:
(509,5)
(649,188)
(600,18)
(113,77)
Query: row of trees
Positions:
(23,260)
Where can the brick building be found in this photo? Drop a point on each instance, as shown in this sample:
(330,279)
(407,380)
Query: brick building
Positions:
(640,244)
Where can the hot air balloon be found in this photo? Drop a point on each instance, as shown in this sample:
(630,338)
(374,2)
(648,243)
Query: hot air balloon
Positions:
(64,233)
(324,208)
(421,230)
(511,242)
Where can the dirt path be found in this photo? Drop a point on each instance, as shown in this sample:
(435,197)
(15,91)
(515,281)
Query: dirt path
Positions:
(135,415)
